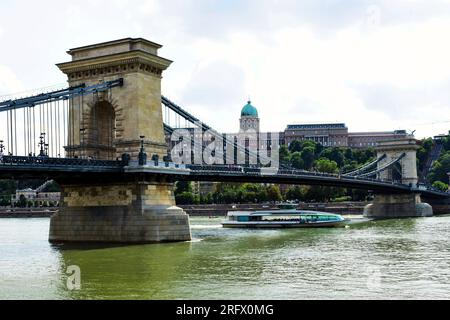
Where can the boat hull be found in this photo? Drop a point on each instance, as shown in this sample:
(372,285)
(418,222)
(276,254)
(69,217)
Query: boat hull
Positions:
(285,225)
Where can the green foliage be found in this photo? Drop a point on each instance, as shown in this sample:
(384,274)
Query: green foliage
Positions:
(297,161)
(327,166)
(295,193)
(22,203)
(182,187)
(284,154)
(426,146)
(440,169)
(308,157)
(447,143)
(296,146)
(274,194)
(8,187)
(185,198)
(323,194)
(342,199)
(440,186)
(5,201)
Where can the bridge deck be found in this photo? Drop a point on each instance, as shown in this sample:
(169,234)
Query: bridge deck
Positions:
(92,170)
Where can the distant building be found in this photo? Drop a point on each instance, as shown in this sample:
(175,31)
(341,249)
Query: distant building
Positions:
(328,135)
(371,139)
(37,197)
(249,118)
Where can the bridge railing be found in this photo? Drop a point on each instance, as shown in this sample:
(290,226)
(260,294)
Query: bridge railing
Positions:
(250,171)
(46,161)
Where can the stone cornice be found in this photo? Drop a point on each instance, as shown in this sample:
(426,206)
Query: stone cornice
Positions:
(116,61)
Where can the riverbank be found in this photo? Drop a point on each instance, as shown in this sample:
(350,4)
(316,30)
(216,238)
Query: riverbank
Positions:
(26,213)
(215,210)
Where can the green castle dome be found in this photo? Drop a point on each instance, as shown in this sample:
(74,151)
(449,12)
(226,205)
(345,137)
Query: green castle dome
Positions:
(249,111)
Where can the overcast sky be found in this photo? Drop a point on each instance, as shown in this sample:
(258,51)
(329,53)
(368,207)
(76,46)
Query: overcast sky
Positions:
(374,65)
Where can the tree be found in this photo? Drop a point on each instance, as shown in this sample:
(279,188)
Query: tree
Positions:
(5,201)
(326,166)
(185,198)
(337,156)
(440,169)
(348,154)
(295,146)
(440,186)
(274,194)
(22,203)
(295,193)
(308,157)
(183,186)
(297,161)
(284,154)
(446,143)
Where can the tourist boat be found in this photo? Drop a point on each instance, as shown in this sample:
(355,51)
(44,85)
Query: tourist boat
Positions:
(284,219)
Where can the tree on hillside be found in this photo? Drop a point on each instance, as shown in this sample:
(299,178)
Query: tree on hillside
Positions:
(284,154)
(297,161)
(308,157)
(326,165)
(440,186)
(440,169)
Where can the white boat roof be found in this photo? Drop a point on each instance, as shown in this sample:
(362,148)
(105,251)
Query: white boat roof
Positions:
(280,213)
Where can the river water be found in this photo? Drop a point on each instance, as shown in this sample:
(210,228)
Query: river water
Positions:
(398,259)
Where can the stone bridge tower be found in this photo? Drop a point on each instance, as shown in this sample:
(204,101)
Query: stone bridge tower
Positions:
(121,208)
(405,172)
(109,124)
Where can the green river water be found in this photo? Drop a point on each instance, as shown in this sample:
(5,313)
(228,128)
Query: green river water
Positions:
(397,259)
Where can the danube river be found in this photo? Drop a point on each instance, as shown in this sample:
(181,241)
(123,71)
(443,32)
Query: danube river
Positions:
(398,259)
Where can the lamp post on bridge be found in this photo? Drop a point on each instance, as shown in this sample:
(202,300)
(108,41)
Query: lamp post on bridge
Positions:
(2,147)
(42,145)
(142,154)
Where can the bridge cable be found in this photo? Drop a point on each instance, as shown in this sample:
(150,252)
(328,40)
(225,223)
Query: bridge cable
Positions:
(383,168)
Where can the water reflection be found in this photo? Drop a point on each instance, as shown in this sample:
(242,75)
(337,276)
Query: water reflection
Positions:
(125,272)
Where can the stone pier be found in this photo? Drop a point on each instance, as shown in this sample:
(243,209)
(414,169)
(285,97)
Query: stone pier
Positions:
(386,206)
(119,213)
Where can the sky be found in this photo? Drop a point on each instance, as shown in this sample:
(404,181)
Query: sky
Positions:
(374,65)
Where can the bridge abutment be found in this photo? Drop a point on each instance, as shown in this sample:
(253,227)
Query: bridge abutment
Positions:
(388,206)
(143,212)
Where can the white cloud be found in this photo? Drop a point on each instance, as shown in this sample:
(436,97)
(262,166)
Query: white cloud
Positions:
(9,83)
